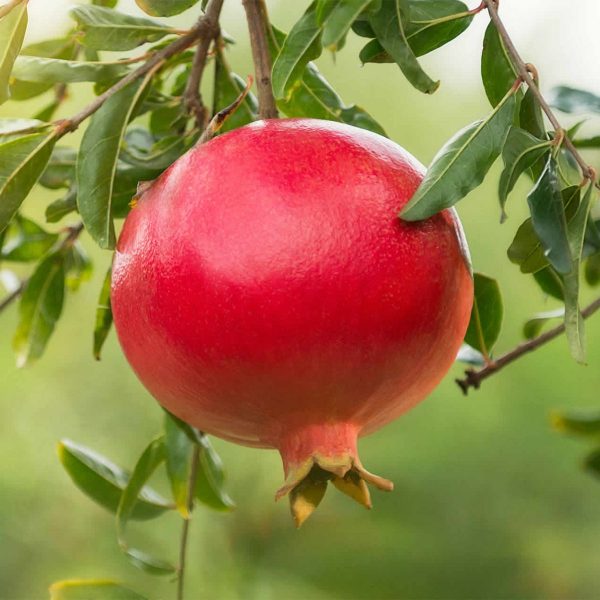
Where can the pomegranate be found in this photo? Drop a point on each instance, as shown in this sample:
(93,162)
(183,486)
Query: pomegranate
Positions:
(265,291)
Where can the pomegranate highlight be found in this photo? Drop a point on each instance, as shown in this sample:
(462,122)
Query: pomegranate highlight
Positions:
(265,291)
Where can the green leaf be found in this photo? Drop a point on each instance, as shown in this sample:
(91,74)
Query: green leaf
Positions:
(159,155)
(301,45)
(153,456)
(164,8)
(106,29)
(28,242)
(521,150)
(584,423)
(388,24)
(58,209)
(179,451)
(92,589)
(497,71)
(571,100)
(548,218)
(533,327)
(78,267)
(22,161)
(12,33)
(574,324)
(107,3)
(340,19)
(9,127)
(39,309)
(486,315)
(592,463)
(592,269)
(526,250)
(531,118)
(97,161)
(434,23)
(228,86)
(550,282)
(56,70)
(60,171)
(362,28)
(104,317)
(374,52)
(590,142)
(210,479)
(103,481)
(462,163)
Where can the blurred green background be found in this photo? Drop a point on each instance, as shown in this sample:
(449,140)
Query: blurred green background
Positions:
(489,501)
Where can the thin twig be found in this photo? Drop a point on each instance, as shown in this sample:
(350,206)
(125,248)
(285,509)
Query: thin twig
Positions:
(204,27)
(524,71)
(257,18)
(185,531)
(473,377)
(73,233)
(192,99)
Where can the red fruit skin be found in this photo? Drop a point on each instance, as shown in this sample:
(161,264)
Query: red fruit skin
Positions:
(265,290)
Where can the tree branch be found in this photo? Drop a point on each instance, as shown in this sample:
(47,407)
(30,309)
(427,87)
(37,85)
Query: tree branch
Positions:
(185,531)
(204,27)
(192,98)
(524,71)
(257,18)
(473,377)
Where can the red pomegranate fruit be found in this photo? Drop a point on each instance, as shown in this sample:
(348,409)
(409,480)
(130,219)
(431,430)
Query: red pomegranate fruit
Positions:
(265,291)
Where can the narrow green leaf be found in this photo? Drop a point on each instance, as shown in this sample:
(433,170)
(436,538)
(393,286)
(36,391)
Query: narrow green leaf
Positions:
(10,127)
(159,155)
(103,481)
(497,71)
(340,19)
(374,52)
(301,45)
(571,100)
(60,170)
(584,423)
(153,456)
(56,70)
(107,3)
(592,269)
(92,589)
(39,309)
(78,267)
(22,161)
(12,33)
(104,317)
(590,142)
(164,8)
(28,241)
(388,24)
(178,459)
(210,479)
(462,163)
(97,161)
(106,29)
(550,282)
(58,209)
(531,118)
(519,153)
(548,218)
(486,315)
(574,324)
(533,327)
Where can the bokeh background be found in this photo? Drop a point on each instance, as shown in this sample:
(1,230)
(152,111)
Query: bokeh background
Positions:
(490,502)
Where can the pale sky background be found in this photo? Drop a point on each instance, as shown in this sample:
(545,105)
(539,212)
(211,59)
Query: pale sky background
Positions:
(559,36)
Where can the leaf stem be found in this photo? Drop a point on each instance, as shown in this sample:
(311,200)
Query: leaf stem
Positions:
(185,531)
(525,71)
(192,99)
(256,15)
(474,377)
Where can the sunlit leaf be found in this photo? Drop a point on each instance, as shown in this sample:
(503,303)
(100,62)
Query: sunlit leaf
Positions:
(388,24)
(12,33)
(462,163)
(486,316)
(164,8)
(104,317)
(104,482)
(22,161)
(92,589)
(28,241)
(497,71)
(40,308)
(56,70)
(571,100)
(106,29)
(533,327)
(97,161)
